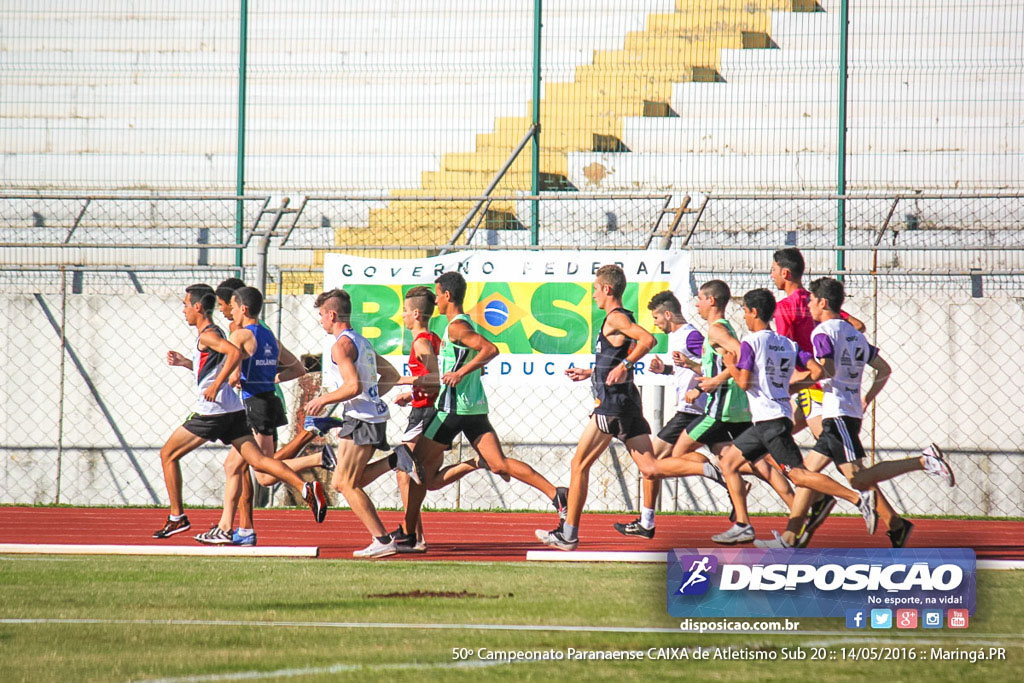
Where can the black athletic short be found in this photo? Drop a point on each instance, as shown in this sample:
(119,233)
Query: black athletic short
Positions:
(675,427)
(364,433)
(774,437)
(709,431)
(623,426)
(840,439)
(223,427)
(265,413)
(419,419)
(446,426)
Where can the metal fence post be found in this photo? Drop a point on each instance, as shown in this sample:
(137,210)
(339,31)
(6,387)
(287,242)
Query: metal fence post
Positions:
(535,150)
(844,30)
(243,46)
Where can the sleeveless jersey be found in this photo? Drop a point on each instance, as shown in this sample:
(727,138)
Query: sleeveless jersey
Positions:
(770,358)
(207,365)
(615,399)
(467,397)
(689,341)
(260,369)
(421,398)
(367,406)
(850,352)
(728,403)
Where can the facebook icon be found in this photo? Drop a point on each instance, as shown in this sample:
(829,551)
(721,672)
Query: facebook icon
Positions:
(856,618)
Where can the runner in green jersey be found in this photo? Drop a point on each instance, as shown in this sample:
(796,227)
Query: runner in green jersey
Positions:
(462,408)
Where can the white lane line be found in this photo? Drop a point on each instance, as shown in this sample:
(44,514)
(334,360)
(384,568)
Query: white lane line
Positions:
(333,669)
(846,635)
(187,550)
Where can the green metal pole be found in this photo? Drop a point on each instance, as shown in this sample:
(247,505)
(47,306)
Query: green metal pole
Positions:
(535,149)
(841,171)
(243,46)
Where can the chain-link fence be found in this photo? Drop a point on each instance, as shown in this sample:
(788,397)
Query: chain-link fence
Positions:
(90,398)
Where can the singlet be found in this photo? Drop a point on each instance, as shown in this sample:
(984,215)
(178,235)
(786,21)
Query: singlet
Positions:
(260,369)
(850,352)
(467,397)
(207,365)
(367,406)
(421,398)
(688,340)
(728,403)
(614,399)
(770,358)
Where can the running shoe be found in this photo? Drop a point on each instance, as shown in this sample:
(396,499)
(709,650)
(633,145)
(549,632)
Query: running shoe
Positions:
(215,536)
(172,527)
(406,463)
(313,494)
(776,542)
(561,501)
(634,528)
(817,514)
(935,464)
(239,539)
(737,533)
(714,473)
(555,539)
(328,460)
(899,537)
(320,425)
(867,509)
(407,543)
(377,549)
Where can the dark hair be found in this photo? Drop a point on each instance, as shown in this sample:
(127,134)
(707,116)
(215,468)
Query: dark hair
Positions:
(831,290)
(666,300)
(790,258)
(762,301)
(717,290)
(454,285)
(228,287)
(337,300)
(422,300)
(613,276)
(203,295)
(251,298)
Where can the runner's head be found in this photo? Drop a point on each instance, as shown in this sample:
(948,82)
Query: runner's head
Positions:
(758,305)
(609,285)
(712,296)
(827,297)
(247,302)
(666,310)
(224,291)
(451,291)
(419,306)
(199,302)
(335,306)
(787,266)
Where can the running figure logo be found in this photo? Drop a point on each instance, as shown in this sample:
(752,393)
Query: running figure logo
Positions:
(697,579)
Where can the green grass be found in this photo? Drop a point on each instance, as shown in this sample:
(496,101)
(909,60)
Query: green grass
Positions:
(328,592)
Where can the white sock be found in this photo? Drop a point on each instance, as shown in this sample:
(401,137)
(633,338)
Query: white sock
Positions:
(176,518)
(569,532)
(244,532)
(647,518)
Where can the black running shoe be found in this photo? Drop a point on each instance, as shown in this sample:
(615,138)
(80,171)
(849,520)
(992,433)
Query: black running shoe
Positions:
(899,537)
(172,527)
(634,528)
(561,501)
(328,460)
(817,514)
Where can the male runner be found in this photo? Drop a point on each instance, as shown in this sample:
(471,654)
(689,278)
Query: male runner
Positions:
(462,408)
(766,363)
(685,344)
(617,409)
(219,414)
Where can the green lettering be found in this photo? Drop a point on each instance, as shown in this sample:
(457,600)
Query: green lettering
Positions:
(573,326)
(373,307)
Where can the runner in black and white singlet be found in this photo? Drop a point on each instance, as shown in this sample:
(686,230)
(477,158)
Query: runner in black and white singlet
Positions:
(219,414)
(620,343)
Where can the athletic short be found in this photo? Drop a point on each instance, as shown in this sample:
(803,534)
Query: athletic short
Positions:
(265,413)
(771,436)
(624,426)
(809,402)
(675,427)
(709,431)
(419,419)
(223,427)
(840,439)
(365,433)
(446,426)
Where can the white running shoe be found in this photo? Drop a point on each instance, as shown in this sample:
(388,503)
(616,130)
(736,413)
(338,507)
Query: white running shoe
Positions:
(935,464)
(555,539)
(737,533)
(377,549)
(776,542)
(867,509)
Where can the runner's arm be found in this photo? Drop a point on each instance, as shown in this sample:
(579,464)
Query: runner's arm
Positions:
(343,352)
(883,371)
(387,375)
(232,356)
(621,324)
(288,366)
(460,332)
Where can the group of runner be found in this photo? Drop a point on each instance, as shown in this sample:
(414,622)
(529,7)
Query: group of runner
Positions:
(732,396)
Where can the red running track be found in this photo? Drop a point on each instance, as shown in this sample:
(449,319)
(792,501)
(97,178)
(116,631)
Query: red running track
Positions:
(479,536)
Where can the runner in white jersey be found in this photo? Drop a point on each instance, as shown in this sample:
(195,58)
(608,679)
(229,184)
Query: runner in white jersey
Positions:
(219,414)
(685,344)
(355,377)
(764,369)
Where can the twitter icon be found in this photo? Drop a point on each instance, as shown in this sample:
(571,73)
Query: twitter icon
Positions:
(881,618)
